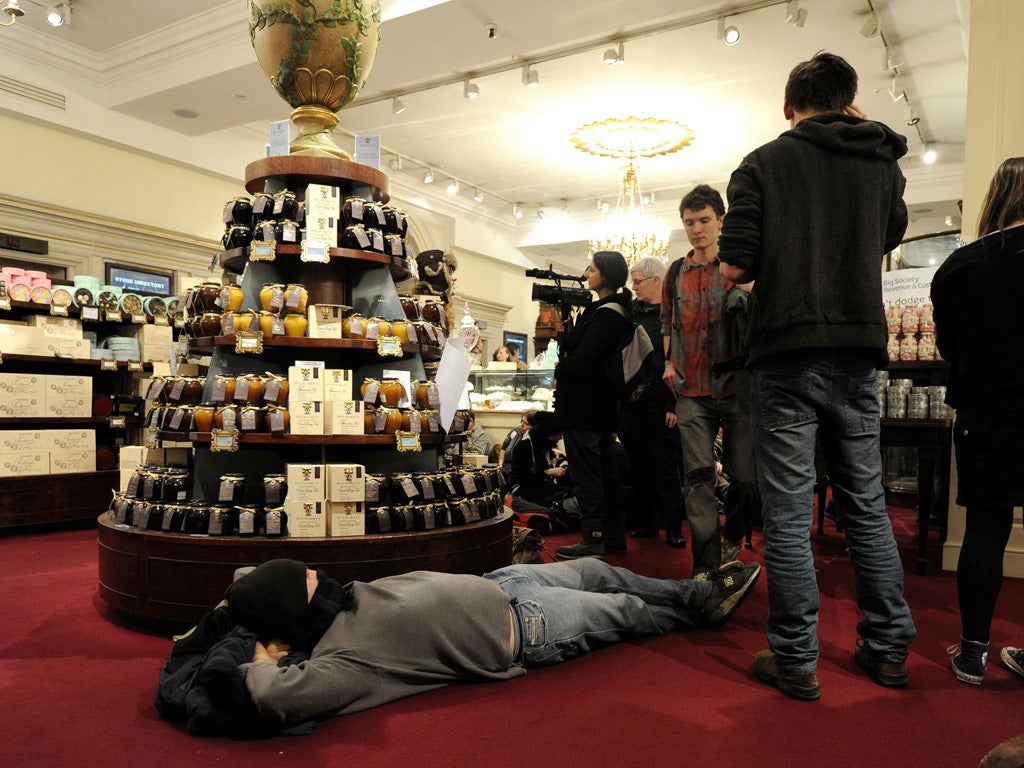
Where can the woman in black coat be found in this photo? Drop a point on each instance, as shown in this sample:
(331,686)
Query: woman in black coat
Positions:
(587,408)
(978,296)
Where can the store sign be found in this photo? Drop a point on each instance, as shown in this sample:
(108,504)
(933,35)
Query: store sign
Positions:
(907,287)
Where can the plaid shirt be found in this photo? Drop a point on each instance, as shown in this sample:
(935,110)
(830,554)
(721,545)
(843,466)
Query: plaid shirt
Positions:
(692,315)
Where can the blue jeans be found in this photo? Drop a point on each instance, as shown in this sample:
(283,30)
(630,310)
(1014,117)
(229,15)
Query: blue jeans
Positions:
(567,609)
(699,419)
(831,397)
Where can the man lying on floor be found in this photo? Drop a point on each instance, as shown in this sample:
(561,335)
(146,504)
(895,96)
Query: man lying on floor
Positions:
(415,632)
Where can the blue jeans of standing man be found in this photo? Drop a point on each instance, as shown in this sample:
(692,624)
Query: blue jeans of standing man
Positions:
(567,609)
(699,419)
(831,397)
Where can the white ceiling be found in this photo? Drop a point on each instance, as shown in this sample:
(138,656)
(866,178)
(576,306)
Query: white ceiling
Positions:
(124,67)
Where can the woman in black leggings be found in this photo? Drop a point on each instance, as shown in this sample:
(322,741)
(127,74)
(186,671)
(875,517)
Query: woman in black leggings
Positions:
(978,295)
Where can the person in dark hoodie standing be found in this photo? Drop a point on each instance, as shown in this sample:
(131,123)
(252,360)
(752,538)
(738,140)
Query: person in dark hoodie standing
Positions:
(586,407)
(811,214)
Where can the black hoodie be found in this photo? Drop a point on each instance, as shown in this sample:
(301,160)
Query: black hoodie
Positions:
(811,214)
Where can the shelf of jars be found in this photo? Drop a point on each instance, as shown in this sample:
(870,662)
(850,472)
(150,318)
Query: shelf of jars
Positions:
(296,305)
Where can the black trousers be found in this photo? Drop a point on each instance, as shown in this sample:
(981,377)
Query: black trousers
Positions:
(654,467)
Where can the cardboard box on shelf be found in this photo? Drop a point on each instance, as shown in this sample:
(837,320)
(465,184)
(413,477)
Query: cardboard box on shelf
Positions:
(31,405)
(306,417)
(20,339)
(24,464)
(78,349)
(306,519)
(306,482)
(70,440)
(69,462)
(337,384)
(131,456)
(324,321)
(305,382)
(346,518)
(344,417)
(63,327)
(23,441)
(345,482)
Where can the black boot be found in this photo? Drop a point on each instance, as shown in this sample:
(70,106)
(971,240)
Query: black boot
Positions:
(592,529)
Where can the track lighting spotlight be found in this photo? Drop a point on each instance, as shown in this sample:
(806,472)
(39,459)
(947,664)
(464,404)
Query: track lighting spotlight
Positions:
(615,55)
(478,196)
(909,115)
(453,187)
(395,163)
(531,77)
(540,213)
(517,211)
(870,28)
(397,106)
(13,13)
(929,156)
(59,14)
(470,90)
(795,14)
(729,34)
(428,177)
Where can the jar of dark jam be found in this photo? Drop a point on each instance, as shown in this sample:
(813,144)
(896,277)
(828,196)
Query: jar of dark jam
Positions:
(262,207)
(250,520)
(139,513)
(179,418)
(402,489)
(275,521)
(206,298)
(426,482)
(275,490)
(232,489)
(223,520)
(238,236)
(238,211)
(423,517)
(355,237)
(402,518)
(288,232)
(375,489)
(178,518)
(353,211)
(286,206)
(394,245)
(395,221)
(376,240)
(432,312)
(177,484)
(197,521)
(378,520)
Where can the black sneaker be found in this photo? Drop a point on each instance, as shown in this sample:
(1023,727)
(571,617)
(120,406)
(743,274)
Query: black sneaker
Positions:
(1013,658)
(969,660)
(729,585)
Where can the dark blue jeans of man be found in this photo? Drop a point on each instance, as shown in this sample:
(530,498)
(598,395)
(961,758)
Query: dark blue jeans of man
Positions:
(567,609)
(831,397)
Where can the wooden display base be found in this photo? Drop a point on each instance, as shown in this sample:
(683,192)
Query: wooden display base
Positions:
(178,578)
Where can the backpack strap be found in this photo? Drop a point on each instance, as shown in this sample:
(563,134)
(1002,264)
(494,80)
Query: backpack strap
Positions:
(616,306)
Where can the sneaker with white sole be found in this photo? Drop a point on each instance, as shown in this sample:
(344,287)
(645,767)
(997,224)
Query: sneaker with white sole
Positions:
(729,586)
(969,661)
(1013,658)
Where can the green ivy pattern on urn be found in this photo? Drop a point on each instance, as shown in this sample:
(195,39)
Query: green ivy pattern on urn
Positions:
(294,81)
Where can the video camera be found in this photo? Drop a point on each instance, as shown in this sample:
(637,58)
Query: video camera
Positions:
(558,294)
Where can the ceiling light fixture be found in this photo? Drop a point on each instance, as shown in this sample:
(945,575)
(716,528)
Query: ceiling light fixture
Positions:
(929,156)
(615,55)
(870,28)
(453,187)
(540,212)
(517,211)
(397,106)
(729,34)
(531,77)
(428,177)
(59,14)
(795,14)
(909,115)
(478,196)
(13,12)
(470,90)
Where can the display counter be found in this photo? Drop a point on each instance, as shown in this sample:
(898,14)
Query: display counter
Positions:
(500,398)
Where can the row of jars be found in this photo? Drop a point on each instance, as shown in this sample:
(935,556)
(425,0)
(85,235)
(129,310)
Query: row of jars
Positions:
(243,211)
(248,388)
(248,418)
(416,487)
(389,391)
(154,482)
(429,516)
(199,517)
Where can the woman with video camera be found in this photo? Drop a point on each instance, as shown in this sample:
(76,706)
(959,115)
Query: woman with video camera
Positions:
(587,408)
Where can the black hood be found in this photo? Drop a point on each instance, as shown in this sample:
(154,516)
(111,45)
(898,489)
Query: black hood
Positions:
(851,135)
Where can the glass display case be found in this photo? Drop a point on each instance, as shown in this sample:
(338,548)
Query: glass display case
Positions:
(511,391)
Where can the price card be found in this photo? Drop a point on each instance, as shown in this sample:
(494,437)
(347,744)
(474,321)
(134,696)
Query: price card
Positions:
(91,313)
(58,310)
(112,316)
(139,319)
(134,366)
(108,365)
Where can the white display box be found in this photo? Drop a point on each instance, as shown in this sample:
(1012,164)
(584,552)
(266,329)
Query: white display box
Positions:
(346,518)
(62,327)
(306,416)
(20,383)
(306,519)
(306,482)
(305,382)
(24,464)
(132,456)
(68,462)
(20,339)
(324,321)
(337,384)
(79,349)
(24,441)
(68,396)
(346,482)
(344,417)
(30,404)
(70,440)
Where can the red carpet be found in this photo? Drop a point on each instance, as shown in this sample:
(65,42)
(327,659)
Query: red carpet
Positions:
(77,686)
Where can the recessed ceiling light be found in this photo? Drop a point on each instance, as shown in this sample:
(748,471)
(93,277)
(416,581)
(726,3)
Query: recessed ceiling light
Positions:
(188,114)
(239,97)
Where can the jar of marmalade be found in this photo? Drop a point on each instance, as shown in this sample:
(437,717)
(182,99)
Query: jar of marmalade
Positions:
(272,297)
(427,395)
(223,388)
(231,297)
(410,307)
(251,418)
(391,391)
(275,388)
(270,324)
(295,297)
(353,326)
(369,391)
(248,388)
(226,417)
(202,417)
(376,326)
(369,420)
(400,328)
(392,420)
(295,324)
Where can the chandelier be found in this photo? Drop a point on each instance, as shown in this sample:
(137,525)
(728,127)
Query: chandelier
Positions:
(629,229)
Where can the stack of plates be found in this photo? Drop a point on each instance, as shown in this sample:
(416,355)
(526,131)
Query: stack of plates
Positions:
(122,347)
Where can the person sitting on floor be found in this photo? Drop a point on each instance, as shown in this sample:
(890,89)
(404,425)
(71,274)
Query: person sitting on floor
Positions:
(406,634)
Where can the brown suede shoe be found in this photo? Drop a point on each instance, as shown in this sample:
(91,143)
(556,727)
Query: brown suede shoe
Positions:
(800,687)
(889,674)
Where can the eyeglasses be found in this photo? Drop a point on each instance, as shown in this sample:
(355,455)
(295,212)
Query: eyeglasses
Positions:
(642,280)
